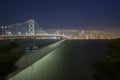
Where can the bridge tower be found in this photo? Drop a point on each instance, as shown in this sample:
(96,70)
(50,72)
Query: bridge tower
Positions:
(31,28)
(31,32)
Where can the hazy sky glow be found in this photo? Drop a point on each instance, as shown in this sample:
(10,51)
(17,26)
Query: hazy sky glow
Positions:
(73,14)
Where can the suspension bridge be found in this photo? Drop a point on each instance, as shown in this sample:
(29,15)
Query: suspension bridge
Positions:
(27,29)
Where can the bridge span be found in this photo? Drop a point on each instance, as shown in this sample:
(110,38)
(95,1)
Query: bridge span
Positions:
(27,29)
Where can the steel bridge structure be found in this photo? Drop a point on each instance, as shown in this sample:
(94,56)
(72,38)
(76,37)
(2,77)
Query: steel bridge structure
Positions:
(27,29)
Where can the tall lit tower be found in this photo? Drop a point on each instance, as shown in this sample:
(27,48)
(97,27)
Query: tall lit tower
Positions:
(32,32)
(31,28)
(82,32)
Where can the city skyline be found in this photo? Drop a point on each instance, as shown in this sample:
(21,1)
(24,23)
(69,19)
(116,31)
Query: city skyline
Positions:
(106,31)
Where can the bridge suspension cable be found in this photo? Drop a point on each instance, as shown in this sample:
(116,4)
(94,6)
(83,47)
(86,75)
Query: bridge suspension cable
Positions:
(29,27)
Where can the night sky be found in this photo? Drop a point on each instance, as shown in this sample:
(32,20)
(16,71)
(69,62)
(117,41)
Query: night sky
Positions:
(63,14)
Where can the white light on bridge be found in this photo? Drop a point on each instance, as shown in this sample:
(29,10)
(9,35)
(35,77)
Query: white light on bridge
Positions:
(54,37)
(9,33)
(26,33)
(19,33)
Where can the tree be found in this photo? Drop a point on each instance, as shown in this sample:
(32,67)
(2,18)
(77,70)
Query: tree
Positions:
(108,68)
(8,57)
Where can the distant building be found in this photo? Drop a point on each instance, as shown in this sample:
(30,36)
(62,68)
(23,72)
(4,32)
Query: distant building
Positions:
(82,32)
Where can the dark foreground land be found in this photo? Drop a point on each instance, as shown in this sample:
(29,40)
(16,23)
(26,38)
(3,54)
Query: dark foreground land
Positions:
(80,60)
(71,61)
(12,50)
(108,67)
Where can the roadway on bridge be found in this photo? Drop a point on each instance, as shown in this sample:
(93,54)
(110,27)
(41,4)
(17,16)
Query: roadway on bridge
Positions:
(70,61)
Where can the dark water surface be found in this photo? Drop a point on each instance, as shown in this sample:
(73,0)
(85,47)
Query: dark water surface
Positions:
(73,60)
(23,43)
